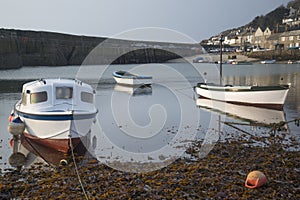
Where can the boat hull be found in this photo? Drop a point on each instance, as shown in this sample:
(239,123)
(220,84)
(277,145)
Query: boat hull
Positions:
(264,96)
(56,131)
(133,81)
(61,145)
(37,151)
(126,78)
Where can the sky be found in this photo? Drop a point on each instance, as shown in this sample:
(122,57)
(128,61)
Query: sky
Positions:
(163,20)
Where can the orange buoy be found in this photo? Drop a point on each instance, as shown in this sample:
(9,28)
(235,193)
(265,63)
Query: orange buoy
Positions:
(255,179)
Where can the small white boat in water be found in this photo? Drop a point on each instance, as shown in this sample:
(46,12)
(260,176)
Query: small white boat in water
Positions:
(127,78)
(56,111)
(260,96)
(268,61)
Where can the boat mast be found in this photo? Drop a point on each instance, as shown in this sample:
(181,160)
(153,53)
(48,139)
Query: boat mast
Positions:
(221,47)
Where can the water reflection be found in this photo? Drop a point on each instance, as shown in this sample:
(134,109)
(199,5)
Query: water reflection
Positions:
(253,115)
(134,90)
(141,100)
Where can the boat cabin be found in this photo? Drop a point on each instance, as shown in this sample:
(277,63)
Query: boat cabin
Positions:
(64,94)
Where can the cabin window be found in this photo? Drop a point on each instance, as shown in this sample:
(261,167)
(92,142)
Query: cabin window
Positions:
(87,97)
(24,100)
(64,93)
(38,97)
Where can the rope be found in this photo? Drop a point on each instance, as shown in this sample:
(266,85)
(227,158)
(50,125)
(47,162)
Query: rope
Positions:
(254,137)
(180,91)
(76,169)
(33,147)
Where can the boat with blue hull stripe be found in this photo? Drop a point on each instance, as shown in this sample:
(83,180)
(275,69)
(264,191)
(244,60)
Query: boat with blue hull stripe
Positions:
(56,117)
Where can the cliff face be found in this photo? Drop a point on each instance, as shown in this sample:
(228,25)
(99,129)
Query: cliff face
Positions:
(30,48)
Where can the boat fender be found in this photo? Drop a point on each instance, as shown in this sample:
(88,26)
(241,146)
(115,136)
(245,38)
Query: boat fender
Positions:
(16,126)
(255,179)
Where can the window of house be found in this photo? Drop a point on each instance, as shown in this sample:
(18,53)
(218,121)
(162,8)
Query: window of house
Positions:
(38,97)
(64,92)
(87,97)
(291,38)
(282,39)
(298,37)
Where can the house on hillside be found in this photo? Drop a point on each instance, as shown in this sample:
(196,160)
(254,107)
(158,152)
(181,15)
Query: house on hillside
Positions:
(290,39)
(245,39)
(260,37)
(292,21)
(230,39)
(284,41)
(273,42)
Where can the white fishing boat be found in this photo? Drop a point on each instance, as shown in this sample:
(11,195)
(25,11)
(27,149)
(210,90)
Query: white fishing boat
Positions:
(268,61)
(56,111)
(261,96)
(127,78)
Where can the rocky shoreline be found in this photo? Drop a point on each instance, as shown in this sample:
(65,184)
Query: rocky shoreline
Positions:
(219,175)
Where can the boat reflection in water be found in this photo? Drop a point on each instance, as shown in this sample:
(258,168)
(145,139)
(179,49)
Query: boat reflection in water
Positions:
(134,90)
(27,152)
(254,115)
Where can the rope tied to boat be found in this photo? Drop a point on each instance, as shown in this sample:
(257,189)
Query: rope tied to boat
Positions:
(76,168)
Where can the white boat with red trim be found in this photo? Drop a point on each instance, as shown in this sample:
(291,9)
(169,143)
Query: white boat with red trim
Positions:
(56,111)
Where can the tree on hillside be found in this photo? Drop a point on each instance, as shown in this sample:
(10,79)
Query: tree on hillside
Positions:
(271,20)
(294,4)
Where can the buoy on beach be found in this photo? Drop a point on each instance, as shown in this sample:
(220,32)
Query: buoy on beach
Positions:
(255,179)
(16,126)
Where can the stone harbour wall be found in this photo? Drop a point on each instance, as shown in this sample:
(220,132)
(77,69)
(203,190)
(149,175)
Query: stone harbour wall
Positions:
(34,48)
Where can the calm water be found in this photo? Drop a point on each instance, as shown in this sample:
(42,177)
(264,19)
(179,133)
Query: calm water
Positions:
(159,122)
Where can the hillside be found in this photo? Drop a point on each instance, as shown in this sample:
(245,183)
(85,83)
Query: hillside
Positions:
(273,20)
